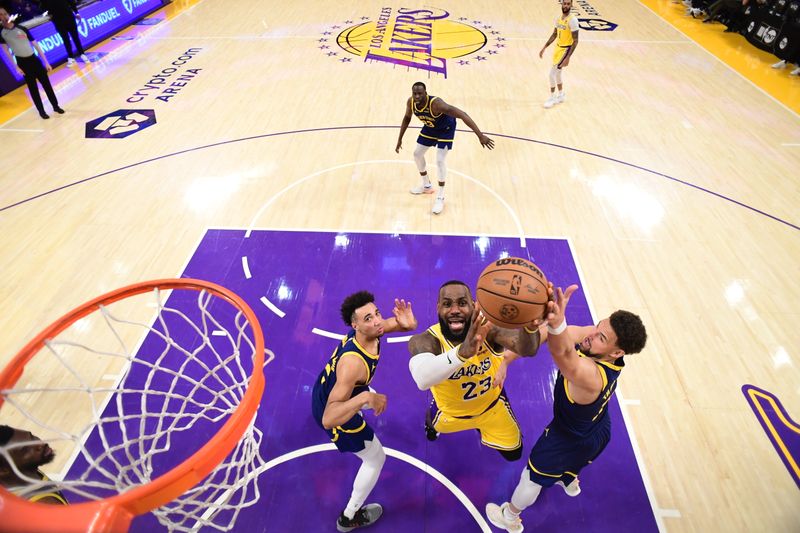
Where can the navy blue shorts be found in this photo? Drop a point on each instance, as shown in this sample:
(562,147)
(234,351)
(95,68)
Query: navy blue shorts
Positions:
(439,137)
(560,456)
(350,436)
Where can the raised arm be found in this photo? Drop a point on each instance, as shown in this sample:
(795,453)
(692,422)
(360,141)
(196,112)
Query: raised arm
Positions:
(404,126)
(403,319)
(440,106)
(340,407)
(580,372)
(428,367)
(523,341)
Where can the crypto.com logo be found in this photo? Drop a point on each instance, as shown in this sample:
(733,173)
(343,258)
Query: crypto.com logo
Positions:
(120,123)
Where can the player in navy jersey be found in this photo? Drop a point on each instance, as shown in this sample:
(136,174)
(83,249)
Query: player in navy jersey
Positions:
(589,360)
(439,119)
(342,391)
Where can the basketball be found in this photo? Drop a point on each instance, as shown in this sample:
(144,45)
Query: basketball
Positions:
(512,292)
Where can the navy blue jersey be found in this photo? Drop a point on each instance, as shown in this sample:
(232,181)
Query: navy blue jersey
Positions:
(327,378)
(425,114)
(584,420)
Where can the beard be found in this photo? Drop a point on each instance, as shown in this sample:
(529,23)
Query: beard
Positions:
(452,337)
(565,10)
(46,459)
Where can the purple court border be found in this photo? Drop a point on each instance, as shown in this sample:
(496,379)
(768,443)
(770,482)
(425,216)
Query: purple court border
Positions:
(334,128)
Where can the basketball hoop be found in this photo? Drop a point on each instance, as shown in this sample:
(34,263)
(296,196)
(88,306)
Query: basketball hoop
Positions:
(193,379)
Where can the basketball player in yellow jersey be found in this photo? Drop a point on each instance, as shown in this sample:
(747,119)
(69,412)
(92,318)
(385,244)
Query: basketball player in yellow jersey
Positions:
(461,361)
(566,36)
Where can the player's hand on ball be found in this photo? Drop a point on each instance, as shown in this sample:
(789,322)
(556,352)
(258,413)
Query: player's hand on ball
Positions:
(558,306)
(478,328)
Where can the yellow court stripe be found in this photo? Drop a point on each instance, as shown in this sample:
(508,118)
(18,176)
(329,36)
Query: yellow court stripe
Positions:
(17,101)
(772,429)
(735,51)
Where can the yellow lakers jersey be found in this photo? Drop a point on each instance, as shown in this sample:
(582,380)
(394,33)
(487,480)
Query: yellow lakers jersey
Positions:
(40,493)
(468,391)
(564,32)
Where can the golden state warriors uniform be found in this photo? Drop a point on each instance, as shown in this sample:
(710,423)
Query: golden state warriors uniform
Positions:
(350,436)
(48,491)
(467,400)
(564,41)
(577,434)
(438,130)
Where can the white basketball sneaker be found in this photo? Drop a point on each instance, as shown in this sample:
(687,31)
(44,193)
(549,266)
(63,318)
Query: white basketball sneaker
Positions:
(550,102)
(84,58)
(70,62)
(573,489)
(438,205)
(562,96)
(779,64)
(496,516)
(423,189)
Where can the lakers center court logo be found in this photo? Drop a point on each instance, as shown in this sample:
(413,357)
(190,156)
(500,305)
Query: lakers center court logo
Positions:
(120,124)
(427,39)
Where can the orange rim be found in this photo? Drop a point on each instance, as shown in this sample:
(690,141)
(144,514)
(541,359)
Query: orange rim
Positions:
(115,513)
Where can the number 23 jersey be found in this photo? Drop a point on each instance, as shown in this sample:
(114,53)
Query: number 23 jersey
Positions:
(468,391)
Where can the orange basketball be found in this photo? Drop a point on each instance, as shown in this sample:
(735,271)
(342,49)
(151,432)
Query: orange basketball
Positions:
(512,292)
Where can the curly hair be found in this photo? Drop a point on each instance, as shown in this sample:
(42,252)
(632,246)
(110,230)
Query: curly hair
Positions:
(353,302)
(631,334)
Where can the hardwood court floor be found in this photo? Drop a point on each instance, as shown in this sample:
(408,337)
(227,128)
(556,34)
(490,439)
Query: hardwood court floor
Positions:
(673,177)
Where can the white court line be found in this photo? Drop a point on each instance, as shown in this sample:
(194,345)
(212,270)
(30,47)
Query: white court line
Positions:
(648,486)
(413,461)
(399,339)
(238,38)
(246,267)
(272,307)
(665,21)
(513,214)
(328,334)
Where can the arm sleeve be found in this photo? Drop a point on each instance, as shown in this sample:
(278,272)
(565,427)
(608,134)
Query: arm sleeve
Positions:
(428,369)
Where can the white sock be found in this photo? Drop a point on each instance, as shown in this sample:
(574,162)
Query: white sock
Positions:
(509,514)
(426,180)
(441,191)
(373,458)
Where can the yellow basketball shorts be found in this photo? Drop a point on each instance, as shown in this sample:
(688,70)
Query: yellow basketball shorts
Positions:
(498,426)
(559,54)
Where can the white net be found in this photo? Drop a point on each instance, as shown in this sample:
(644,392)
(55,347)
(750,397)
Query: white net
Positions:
(131,391)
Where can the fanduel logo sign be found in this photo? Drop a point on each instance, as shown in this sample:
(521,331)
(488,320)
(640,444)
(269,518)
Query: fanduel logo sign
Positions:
(130,5)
